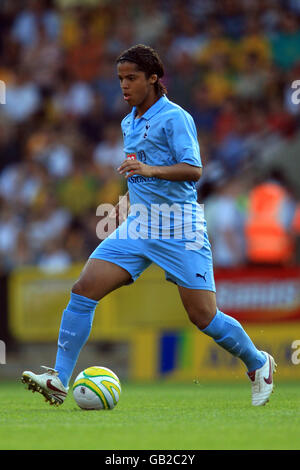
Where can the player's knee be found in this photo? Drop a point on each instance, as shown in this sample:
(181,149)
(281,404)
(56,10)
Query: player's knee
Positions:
(201,316)
(82,287)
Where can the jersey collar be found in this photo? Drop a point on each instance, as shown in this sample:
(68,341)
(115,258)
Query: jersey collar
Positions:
(154,109)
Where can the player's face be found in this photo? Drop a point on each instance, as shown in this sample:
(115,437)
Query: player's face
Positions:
(136,88)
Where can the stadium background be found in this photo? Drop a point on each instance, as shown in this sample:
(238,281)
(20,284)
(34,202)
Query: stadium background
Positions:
(231,64)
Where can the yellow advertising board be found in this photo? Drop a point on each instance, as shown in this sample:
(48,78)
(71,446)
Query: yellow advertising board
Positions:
(189,355)
(150,316)
(37,300)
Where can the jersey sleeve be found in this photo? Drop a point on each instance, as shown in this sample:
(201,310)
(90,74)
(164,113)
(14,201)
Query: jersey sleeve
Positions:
(182,139)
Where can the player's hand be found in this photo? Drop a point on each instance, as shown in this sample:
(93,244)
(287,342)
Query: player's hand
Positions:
(135,167)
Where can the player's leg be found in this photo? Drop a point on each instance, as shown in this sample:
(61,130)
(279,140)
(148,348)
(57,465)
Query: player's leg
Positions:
(97,279)
(116,261)
(226,331)
(190,266)
(230,335)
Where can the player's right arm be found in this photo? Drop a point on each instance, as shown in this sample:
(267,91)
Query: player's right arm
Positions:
(122,209)
(115,218)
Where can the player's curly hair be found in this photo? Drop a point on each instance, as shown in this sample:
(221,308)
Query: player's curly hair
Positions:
(147,61)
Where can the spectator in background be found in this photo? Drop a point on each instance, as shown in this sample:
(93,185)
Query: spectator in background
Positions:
(218,79)
(188,41)
(28,20)
(296,232)
(232,18)
(121,36)
(233,150)
(42,59)
(71,19)
(184,79)
(54,257)
(251,82)
(86,225)
(73,98)
(225,216)
(46,222)
(216,43)
(203,111)
(254,44)
(10,150)
(279,120)
(22,254)
(23,97)
(150,22)
(270,17)
(107,86)
(20,184)
(285,43)
(294,6)
(10,228)
(231,64)
(84,59)
(76,243)
(261,144)
(54,154)
(90,125)
(10,56)
(78,192)
(226,119)
(109,153)
(270,216)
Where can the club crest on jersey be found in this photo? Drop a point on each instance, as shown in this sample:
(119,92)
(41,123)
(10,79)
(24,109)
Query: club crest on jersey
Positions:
(146,131)
(131,156)
(142,156)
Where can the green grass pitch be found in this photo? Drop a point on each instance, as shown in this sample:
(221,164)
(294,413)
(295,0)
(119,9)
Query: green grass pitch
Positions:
(160,416)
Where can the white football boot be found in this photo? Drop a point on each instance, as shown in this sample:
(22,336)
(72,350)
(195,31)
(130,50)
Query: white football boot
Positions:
(48,384)
(262,381)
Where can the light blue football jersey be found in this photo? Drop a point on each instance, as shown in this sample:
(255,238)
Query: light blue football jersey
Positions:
(163,136)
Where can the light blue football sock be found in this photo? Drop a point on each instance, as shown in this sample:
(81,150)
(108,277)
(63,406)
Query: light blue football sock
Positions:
(230,335)
(74,331)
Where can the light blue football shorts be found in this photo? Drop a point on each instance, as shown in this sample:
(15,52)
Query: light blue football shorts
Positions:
(191,268)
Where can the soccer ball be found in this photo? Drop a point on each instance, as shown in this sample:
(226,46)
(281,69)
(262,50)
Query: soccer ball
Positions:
(97,388)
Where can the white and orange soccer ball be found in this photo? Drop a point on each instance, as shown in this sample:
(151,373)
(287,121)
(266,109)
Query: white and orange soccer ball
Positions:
(97,388)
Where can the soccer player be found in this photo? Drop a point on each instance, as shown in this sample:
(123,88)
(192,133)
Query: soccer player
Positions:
(162,165)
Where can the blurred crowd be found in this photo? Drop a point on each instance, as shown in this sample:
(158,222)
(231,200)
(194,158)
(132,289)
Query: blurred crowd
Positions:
(230,64)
